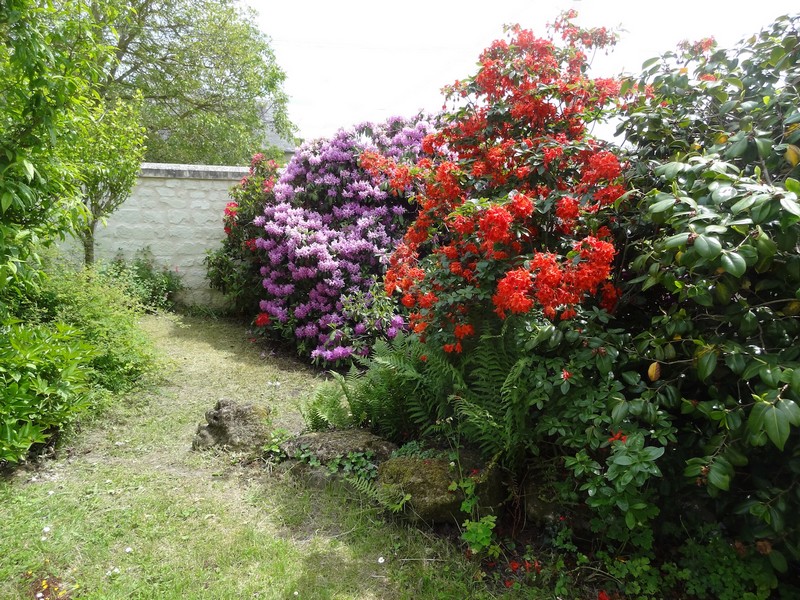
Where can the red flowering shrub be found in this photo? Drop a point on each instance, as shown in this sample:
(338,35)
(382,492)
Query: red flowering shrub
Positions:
(516,195)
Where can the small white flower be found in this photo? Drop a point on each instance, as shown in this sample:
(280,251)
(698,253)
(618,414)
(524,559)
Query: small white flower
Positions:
(381,560)
(46,529)
(109,481)
(128,550)
(44,538)
(50,493)
(116,570)
(40,595)
(297,593)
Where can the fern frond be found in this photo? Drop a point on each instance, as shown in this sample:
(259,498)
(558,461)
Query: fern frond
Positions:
(389,497)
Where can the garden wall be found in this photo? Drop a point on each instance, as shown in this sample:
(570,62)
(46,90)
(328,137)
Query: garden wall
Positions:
(176,211)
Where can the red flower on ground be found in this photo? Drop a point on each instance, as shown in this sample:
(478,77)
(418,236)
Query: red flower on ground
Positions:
(618,437)
(262,320)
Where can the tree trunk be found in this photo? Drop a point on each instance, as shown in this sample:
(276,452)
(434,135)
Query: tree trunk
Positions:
(87,237)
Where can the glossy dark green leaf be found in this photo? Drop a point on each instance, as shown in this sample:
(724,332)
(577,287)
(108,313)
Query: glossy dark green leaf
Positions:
(791,206)
(755,421)
(707,246)
(733,263)
(706,363)
(764,146)
(776,424)
(738,149)
(676,240)
(718,476)
(724,193)
(792,411)
(778,561)
(661,205)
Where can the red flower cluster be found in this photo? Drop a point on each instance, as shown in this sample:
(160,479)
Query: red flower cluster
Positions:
(513,194)
(262,320)
(618,437)
(229,217)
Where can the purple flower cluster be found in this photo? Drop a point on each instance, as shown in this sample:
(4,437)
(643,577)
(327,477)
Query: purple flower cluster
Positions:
(326,233)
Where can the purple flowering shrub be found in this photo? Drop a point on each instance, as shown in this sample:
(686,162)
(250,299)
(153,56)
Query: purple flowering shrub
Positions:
(322,243)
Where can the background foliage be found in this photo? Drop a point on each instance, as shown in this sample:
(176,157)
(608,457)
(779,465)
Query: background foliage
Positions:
(210,84)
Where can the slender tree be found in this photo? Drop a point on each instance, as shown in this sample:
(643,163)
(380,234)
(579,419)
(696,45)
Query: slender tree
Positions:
(108,153)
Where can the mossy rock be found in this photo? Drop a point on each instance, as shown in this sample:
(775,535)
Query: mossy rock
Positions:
(233,426)
(429,481)
(328,445)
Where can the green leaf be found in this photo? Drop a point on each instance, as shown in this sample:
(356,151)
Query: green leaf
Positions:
(631,377)
(707,247)
(718,477)
(791,206)
(28,167)
(791,410)
(755,421)
(733,263)
(778,561)
(676,240)
(776,424)
(724,193)
(793,185)
(630,520)
(651,61)
(661,205)
(5,201)
(764,146)
(619,412)
(737,149)
(706,363)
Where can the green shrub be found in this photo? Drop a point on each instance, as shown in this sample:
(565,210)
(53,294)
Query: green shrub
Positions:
(44,384)
(106,318)
(154,287)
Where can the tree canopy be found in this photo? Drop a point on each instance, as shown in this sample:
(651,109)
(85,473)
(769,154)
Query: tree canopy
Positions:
(208,77)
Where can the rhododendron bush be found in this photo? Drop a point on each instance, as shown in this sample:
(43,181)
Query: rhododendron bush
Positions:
(516,197)
(509,270)
(319,236)
(642,345)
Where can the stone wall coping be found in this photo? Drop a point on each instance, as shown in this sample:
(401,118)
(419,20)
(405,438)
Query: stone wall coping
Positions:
(168,170)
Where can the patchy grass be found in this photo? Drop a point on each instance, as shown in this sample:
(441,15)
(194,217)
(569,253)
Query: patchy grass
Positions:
(129,511)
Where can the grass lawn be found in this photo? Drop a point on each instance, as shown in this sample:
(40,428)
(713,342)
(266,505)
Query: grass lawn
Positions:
(128,510)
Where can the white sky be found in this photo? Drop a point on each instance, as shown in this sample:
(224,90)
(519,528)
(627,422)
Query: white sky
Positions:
(349,61)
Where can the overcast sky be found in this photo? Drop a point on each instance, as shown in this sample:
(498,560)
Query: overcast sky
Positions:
(349,61)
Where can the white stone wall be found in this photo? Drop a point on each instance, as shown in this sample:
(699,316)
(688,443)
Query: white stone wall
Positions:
(176,210)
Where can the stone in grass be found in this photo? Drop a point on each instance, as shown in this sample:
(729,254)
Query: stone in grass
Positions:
(428,481)
(328,445)
(233,426)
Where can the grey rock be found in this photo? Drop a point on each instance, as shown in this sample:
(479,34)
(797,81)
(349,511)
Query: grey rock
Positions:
(233,426)
(327,445)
